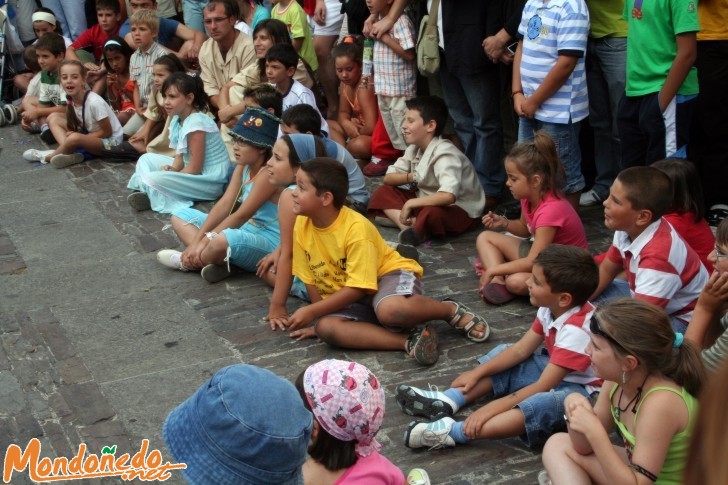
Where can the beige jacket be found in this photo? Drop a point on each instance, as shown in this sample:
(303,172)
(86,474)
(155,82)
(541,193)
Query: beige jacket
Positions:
(443,168)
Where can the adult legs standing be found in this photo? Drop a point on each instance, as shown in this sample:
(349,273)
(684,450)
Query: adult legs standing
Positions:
(473,101)
(605,77)
(71,15)
(708,146)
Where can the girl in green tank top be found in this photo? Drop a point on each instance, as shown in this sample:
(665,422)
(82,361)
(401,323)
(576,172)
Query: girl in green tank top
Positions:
(651,376)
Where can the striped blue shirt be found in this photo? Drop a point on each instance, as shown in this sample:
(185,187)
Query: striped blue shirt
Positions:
(550,29)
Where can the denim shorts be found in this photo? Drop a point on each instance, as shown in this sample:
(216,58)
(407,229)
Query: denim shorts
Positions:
(395,283)
(246,245)
(544,412)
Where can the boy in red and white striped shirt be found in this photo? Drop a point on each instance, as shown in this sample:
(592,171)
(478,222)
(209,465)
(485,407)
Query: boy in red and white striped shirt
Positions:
(661,268)
(530,386)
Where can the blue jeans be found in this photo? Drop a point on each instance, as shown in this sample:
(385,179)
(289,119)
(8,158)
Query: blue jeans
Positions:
(71,15)
(544,411)
(566,138)
(474,105)
(192,12)
(606,66)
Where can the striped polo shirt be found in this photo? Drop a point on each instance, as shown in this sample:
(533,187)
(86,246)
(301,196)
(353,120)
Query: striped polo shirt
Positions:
(661,268)
(566,339)
(140,69)
(550,29)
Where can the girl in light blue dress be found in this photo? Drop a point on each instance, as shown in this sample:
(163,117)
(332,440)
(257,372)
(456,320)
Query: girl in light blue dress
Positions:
(200,168)
(230,235)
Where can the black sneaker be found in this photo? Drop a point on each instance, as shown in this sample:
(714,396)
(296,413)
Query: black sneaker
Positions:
(123,152)
(47,137)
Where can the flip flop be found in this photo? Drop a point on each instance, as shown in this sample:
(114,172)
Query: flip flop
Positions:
(460,311)
(496,294)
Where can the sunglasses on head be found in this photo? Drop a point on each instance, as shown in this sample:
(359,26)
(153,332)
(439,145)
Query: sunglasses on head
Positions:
(596,329)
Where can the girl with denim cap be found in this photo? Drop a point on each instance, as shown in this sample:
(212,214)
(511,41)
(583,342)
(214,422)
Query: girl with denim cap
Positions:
(242,235)
(347,402)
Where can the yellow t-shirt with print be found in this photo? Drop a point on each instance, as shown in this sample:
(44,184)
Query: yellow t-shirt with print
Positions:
(350,252)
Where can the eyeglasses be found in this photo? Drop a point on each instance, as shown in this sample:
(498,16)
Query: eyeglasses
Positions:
(719,254)
(215,20)
(596,329)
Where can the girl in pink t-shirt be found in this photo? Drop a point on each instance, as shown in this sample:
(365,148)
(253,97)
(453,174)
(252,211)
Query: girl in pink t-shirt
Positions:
(347,402)
(505,260)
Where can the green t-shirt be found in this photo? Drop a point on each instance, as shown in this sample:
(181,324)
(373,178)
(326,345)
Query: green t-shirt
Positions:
(605,18)
(295,18)
(652,47)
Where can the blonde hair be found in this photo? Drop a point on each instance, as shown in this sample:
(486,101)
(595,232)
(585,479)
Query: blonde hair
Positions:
(645,331)
(145,17)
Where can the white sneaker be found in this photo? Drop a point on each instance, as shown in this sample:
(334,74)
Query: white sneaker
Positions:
(34,155)
(66,160)
(171,259)
(434,435)
(212,273)
(417,476)
(589,198)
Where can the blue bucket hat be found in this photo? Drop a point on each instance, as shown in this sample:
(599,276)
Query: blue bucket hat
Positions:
(257,126)
(244,426)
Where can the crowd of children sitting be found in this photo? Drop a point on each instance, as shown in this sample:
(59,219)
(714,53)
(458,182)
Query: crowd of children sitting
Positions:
(240,118)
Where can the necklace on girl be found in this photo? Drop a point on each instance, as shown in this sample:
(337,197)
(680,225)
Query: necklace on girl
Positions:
(633,402)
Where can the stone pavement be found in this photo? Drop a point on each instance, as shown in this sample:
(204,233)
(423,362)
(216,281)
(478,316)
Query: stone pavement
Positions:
(99,342)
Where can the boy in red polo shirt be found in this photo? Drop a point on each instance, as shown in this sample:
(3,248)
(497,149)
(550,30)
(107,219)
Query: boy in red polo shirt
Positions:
(108,14)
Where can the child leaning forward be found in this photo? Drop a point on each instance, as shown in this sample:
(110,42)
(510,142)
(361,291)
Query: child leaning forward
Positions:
(531,387)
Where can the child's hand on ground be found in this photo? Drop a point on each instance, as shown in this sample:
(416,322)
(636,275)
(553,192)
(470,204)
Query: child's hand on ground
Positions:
(465,381)
(300,318)
(304,333)
(267,265)
(277,317)
(494,221)
(475,422)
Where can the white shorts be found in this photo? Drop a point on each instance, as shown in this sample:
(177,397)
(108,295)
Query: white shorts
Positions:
(334,20)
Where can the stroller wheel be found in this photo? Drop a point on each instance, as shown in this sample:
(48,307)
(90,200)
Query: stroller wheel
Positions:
(3,121)
(11,114)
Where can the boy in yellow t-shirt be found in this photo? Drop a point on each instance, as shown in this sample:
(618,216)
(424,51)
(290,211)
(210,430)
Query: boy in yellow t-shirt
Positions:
(364,295)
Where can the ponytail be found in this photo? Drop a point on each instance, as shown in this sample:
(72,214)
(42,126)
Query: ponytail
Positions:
(72,121)
(539,157)
(645,331)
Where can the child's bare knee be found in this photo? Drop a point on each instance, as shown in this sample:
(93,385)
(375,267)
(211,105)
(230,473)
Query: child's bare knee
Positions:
(394,312)
(329,330)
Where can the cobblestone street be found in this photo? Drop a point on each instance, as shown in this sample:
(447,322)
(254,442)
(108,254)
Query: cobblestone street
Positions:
(100,342)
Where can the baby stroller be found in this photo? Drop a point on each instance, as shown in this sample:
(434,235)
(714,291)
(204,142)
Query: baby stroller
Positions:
(8,113)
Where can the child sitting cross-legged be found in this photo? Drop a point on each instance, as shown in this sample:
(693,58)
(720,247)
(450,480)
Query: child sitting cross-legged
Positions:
(364,295)
(530,386)
(432,190)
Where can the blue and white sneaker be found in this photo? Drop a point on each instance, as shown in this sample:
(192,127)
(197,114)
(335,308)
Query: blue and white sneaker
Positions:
(429,435)
(430,404)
